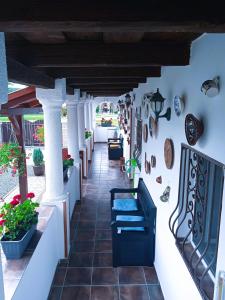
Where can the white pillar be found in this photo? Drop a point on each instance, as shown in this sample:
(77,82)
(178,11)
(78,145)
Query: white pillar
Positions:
(72,127)
(87,115)
(52,100)
(73,140)
(81,128)
(3,71)
(91,114)
(3,99)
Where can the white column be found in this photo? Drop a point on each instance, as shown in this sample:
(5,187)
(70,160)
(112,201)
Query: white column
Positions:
(52,100)
(87,115)
(81,128)
(72,127)
(3,71)
(3,99)
(91,113)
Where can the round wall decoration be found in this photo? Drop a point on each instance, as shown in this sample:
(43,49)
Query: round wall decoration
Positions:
(147,167)
(178,105)
(168,153)
(193,129)
(146,113)
(153,161)
(145,133)
(152,126)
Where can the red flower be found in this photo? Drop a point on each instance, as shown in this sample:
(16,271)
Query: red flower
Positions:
(17,197)
(30,195)
(2,222)
(14,202)
(1,215)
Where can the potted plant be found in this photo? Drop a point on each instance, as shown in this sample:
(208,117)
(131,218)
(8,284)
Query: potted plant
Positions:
(67,162)
(38,159)
(17,225)
(12,157)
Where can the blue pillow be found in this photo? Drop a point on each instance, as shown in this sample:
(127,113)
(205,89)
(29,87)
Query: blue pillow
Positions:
(129,218)
(125,204)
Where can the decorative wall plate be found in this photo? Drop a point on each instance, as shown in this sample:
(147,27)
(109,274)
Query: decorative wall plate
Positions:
(152,126)
(145,133)
(146,110)
(153,161)
(193,129)
(147,167)
(136,112)
(168,153)
(159,179)
(178,105)
(143,102)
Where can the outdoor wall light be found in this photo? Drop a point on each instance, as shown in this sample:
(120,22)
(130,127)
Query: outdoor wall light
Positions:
(157,104)
(128,100)
(211,87)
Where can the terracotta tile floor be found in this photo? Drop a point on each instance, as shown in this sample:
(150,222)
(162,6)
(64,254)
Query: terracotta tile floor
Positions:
(88,273)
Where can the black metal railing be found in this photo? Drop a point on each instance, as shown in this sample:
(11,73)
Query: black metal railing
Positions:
(195,221)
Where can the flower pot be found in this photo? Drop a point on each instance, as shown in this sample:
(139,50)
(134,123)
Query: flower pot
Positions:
(39,170)
(15,249)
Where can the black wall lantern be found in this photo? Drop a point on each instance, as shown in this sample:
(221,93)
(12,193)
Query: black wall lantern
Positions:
(157,104)
(128,100)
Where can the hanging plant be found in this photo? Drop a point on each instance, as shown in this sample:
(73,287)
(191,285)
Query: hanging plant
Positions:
(39,134)
(12,158)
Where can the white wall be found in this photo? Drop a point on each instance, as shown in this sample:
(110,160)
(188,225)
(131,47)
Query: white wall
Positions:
(207,61)
(37,278)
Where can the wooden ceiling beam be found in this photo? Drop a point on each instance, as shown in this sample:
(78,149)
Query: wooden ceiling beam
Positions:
(107,86)
(19,73)
(112,16)
(96,54)
(102,80)
(106,72)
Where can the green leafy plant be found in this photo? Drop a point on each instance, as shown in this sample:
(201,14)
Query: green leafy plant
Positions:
(17,217)
(38,157)
(67,162)
(87,134)
(12,157)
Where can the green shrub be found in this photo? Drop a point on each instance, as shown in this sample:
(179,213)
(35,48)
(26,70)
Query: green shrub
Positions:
(38,157)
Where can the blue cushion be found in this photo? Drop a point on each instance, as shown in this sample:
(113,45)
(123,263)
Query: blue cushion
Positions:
(125,204)
(129,218)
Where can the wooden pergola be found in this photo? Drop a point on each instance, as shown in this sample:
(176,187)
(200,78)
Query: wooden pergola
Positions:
(102,48)
(19,103)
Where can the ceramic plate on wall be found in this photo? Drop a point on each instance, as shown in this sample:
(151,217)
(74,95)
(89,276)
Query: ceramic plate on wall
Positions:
(168,153)
(145,133)
(146,110)
(178,105)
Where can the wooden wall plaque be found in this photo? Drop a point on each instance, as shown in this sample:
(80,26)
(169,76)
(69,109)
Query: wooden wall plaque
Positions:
(168,153)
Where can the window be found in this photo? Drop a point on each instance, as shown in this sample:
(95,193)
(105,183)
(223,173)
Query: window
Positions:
(195,222)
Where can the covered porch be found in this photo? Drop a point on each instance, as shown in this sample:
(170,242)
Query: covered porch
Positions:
(162,64)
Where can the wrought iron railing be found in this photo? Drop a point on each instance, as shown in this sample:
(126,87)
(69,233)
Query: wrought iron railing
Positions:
(195,221)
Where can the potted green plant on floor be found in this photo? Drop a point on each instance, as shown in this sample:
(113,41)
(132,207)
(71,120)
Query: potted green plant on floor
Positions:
(67,162)
(38,159)
(17,225)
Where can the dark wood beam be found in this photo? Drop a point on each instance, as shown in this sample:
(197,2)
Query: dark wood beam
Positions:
(99,72)
(21,111)
(102,80)
(107,86)
(112,16)
(96,54)
(20,100)
(19,73)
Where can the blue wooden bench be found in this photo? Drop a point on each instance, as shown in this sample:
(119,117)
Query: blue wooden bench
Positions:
(133,230)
